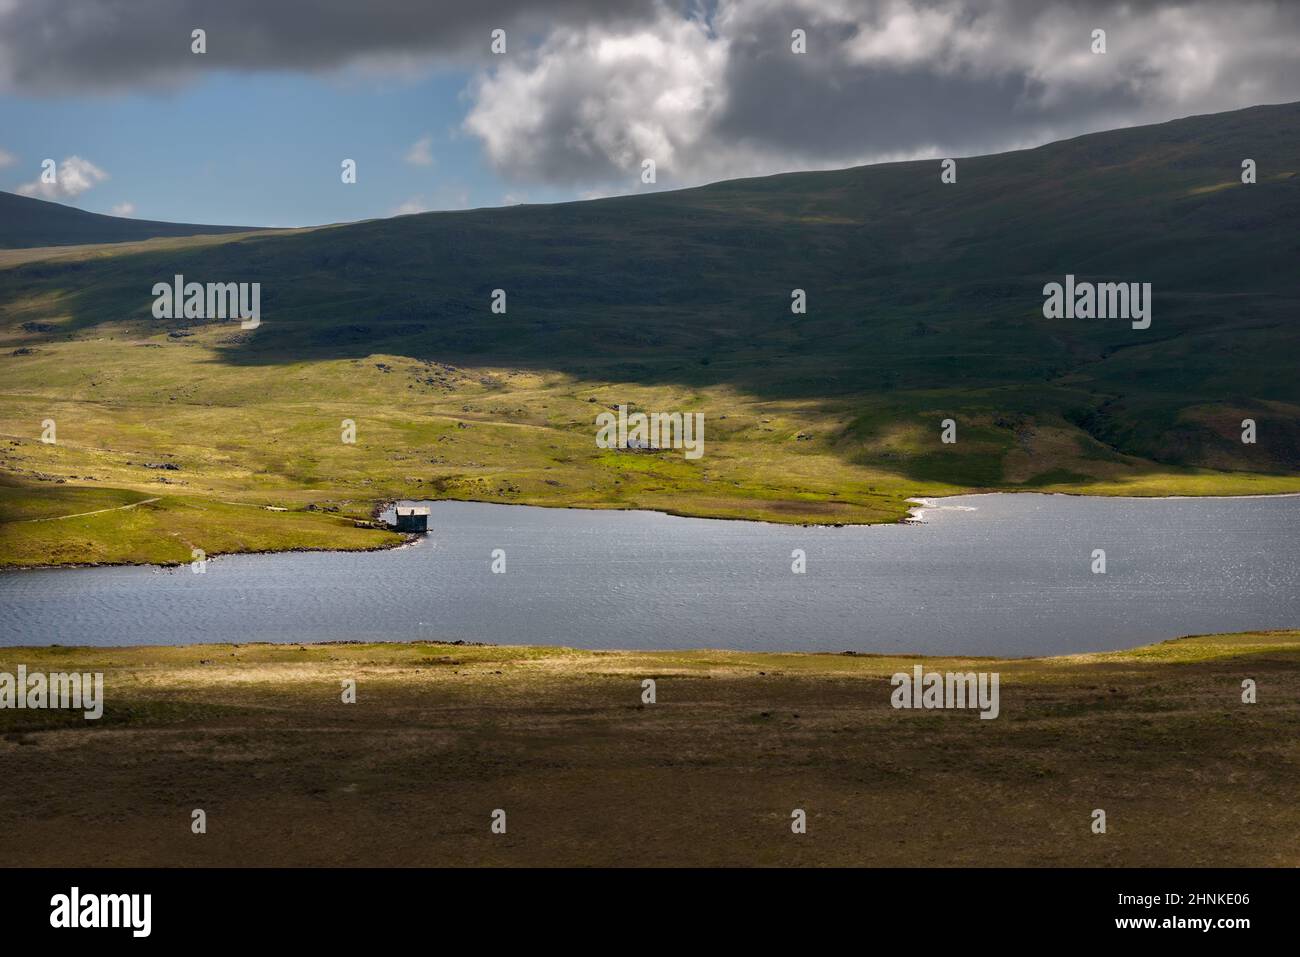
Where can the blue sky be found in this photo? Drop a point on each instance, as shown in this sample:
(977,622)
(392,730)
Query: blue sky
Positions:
(263,149)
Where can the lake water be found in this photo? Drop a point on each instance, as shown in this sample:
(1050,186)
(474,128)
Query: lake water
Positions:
(981,574)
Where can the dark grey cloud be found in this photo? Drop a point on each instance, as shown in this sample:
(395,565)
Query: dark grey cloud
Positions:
(62,46)
(964,77)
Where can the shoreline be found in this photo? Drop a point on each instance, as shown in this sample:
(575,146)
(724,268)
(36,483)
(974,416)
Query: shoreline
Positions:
(515,648)
(411,539)
(917,507)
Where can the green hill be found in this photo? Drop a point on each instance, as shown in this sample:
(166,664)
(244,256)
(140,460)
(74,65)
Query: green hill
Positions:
(27,222)
(924,303)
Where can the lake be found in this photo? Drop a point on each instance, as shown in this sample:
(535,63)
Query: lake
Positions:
(980,574)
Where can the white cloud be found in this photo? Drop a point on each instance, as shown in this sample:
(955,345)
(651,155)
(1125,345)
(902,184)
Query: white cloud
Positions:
(421,152)
(7,158)
(880,81)
(123,209)
(598,102)
(450,195)
(72,178)
(413,205)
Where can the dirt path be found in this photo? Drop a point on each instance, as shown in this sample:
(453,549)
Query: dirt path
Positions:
(98,511)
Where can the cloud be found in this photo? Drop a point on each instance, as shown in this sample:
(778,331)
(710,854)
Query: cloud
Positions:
(447,196)
(709,89)
(594,103)
(61,46)
(421,152)
(7,158)
(893,79)
(415,204)
(72,178)
(123,209)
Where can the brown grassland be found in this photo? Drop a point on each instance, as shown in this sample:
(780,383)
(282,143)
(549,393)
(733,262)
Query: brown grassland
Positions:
(442,735)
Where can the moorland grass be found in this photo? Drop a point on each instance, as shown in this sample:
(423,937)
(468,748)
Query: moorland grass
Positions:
(440,735)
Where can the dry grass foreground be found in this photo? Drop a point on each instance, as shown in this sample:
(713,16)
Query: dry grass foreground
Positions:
(441,735)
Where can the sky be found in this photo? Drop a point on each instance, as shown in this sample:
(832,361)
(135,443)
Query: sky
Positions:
(254,130)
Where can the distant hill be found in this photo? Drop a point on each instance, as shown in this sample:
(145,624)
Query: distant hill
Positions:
(925,301)
(26,222)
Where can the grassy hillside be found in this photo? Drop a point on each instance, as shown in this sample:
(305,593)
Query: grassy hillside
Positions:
(27,222)
(924,303)
(440,735)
